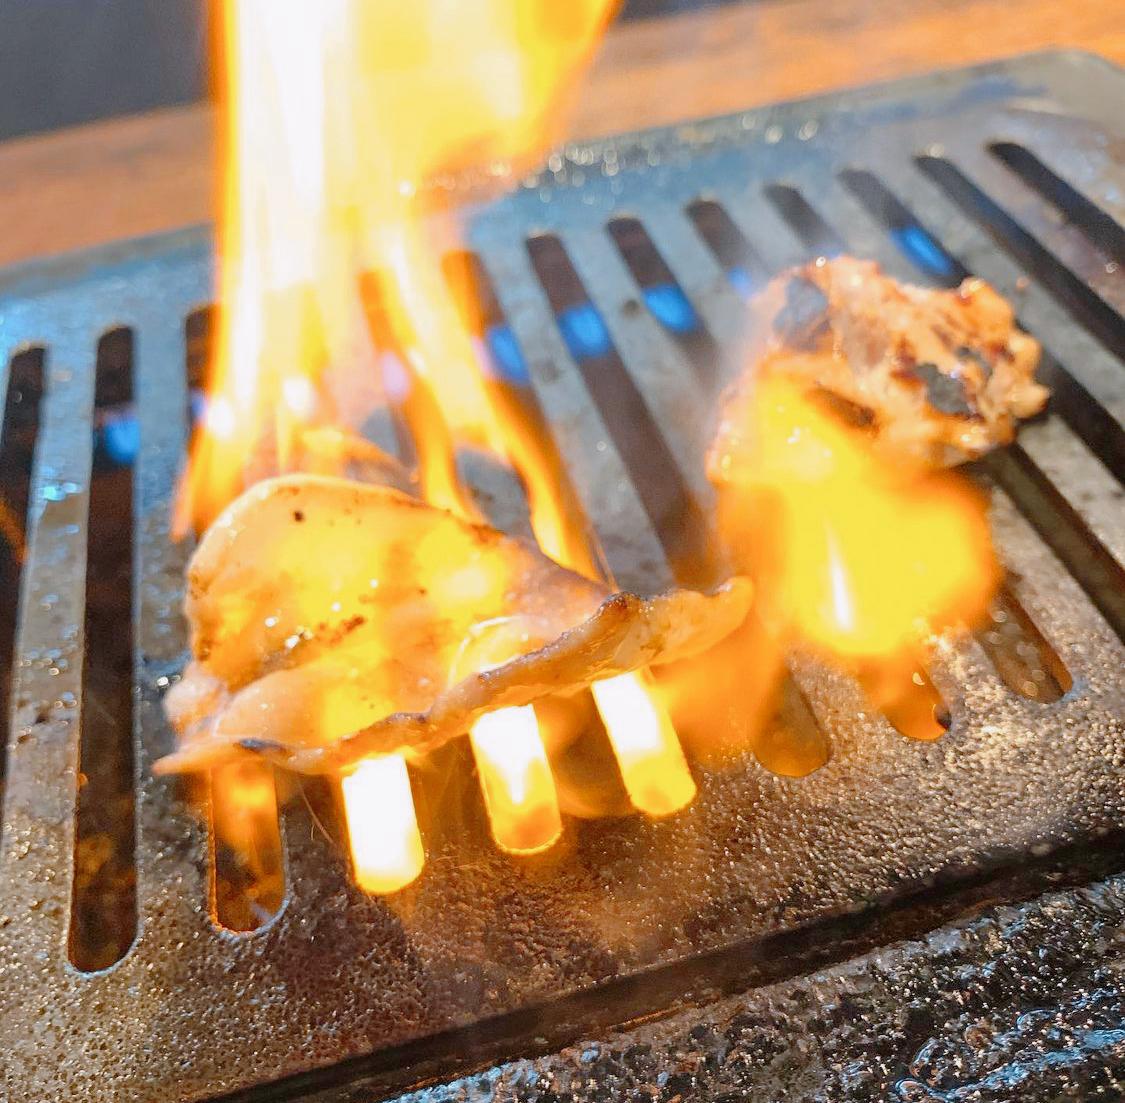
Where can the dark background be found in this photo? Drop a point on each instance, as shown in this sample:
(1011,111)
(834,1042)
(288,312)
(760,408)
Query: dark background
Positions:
(64,62)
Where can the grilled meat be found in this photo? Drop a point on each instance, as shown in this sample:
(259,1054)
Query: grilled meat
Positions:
(332,620)
(941,376)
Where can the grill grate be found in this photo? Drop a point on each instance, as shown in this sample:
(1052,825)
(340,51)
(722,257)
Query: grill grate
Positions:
(618,277)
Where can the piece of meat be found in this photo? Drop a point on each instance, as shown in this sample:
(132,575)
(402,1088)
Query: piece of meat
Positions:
(332,620)
(940,376)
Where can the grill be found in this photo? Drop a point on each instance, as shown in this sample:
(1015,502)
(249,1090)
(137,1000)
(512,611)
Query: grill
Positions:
(618,273)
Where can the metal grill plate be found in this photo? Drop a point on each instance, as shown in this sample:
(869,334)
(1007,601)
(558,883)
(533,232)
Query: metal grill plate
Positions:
(193,1011)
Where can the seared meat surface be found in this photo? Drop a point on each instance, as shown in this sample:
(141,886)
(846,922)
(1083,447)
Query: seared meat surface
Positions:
(332,620)
(941,376)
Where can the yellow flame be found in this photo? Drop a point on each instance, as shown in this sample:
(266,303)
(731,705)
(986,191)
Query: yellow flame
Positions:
(244,818)
(337,119)
(643,729)
(648,751)
(386,846)
(519,790)
(856,555)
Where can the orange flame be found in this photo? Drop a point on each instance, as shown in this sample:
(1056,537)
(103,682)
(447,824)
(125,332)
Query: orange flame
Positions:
(858,556)
(244,817)
(519,790)
(382,826)
(336,118)
(648,752)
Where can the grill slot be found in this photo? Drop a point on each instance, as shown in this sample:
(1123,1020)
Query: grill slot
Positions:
(744,267)
(335,977)
(239,804)
(103,907)
(1061,527)
(669,500)
(23,390)
(1067,243)
(1026,662)
(173,850)
(665,298)
(1102,233)
(631,547)
(716,304)
(815,234)
(247,874)
(1074,294)
(406,401)
(911,238)
(199,328)
(508,380)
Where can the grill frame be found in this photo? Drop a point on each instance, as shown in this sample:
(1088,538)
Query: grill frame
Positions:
(161,1023)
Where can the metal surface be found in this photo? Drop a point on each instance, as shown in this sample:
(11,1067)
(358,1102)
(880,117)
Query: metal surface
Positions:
(192,1011)
(1019,1003)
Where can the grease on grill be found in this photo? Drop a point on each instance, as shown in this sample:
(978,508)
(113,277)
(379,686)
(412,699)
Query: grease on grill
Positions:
(1024,659)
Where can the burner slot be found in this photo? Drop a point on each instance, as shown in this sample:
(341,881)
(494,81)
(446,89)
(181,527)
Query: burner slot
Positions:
(709,287)
(1086,307)
(910,237)
(707,284)
(405,400)
(656,465)
(664,296)
(199,330)
(652,359)
(1080,477)
(1025,661)
(507,379)
(1068,243)
(744,266)
(632,549)
(1062,529)
(173,847)
(42,777)
(818,238)
(19,430)
(103,906)
(1101,231)
(760,224)
(241,800)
